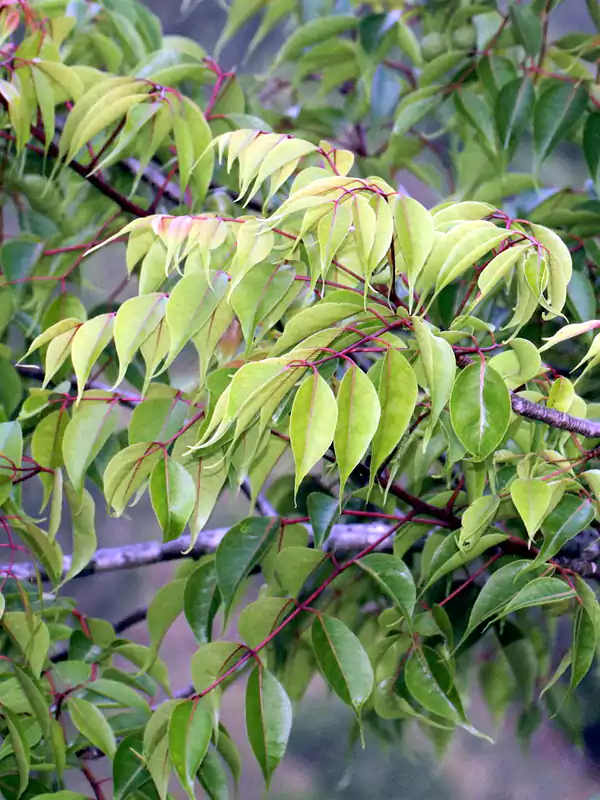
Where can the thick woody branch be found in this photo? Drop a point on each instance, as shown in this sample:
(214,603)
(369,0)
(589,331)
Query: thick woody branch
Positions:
(556,419)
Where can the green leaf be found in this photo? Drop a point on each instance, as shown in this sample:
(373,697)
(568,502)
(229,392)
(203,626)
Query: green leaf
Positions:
(84,531)
(240,550)
(93,725)
(514,110)
(394,577)
(397,390)
(343,661)
(20,746)
(312,424)
(558,109)
(173,495)
(423,686)
(500,588)
(591,147)
(294,565)
(165,607)
(569,518)
(323,511)
(201,600)
(480,409)
(88,343)
(532,498)
(415,232)
(119,692)
(583,648)
(318,30)
(31,636)
(127,471)
(527,26)
(439,366)
(358,418)
(190,731)
(476,520)
(539,592)
(33,692)
(414,106)
(258,620)
(191,304)
(449,558)
(136,319)
(129,772)
(86,434)
(213,777)
(11,453)
(268,719)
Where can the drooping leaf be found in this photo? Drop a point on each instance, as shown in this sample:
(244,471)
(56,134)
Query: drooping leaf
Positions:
(190,731)
(312,424)
(343,661)
(268,719)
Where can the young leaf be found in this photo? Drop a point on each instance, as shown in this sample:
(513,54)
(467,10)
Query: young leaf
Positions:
(539,592)
(135,321)
(480,409)
(439,366)
(397,390)
(268,719)
(85,435)
(165,607)
(343,661)
(358,417)
(532,498)
(312,424)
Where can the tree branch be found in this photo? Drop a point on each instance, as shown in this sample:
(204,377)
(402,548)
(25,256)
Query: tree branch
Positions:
(556,419)
(344,538)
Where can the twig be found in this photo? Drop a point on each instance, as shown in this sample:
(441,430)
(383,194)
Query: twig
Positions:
(556,419)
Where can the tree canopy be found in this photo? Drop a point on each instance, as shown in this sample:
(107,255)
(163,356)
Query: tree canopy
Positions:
(405,389)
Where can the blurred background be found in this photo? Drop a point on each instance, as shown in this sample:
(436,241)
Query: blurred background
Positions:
(321,761)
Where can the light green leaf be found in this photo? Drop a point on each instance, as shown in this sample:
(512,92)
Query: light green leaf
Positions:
(358,417)
(89,341)
(136,319)
(165,607)
(312,424)
(84,532)
(476,520)
(93,725)
(439,366)
(127,471)
(86,434)
(532,498)
(397,391)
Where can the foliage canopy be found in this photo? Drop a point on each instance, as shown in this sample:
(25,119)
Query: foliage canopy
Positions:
(430,372)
